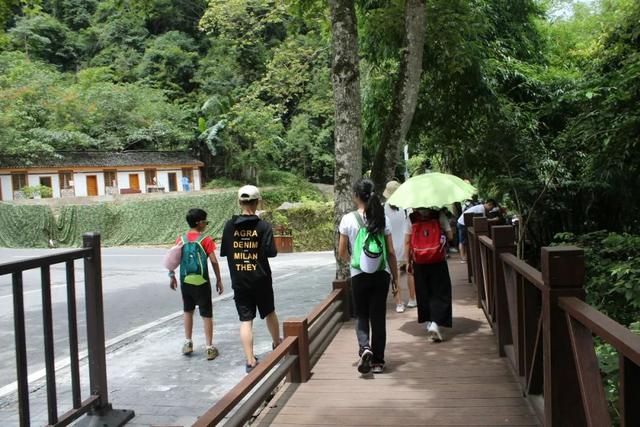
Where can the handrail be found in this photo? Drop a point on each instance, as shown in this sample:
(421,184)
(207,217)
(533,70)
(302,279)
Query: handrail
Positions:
(625,341)
(315,314)
(225,405)
(532,275)
(39,262)
(486,241)
(296,348)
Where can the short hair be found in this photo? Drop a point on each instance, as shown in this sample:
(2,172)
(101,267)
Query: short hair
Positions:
(253,202)
(194,216)
(492,201)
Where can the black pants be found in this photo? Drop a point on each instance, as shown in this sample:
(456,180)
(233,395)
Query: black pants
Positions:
(370,300)
(433,292)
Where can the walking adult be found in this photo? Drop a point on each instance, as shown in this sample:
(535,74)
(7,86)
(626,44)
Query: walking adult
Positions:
(482,209)
(366,242)
(399,221)
(425,244)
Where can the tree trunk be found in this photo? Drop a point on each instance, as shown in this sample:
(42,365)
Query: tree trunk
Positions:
(348,116)
(405,97)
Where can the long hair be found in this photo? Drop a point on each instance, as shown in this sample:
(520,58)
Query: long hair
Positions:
(374,211)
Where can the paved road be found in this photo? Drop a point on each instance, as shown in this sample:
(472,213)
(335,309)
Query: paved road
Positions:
(136,293)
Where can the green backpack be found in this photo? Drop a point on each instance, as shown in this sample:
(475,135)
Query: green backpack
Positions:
(369,250)
(193,264)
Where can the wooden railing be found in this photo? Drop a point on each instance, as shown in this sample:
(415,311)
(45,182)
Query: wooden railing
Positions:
(545,329)
(305,340)
(97,404)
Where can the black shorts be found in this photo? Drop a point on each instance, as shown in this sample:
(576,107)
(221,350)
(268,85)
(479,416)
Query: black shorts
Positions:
(197,295)
(258,295)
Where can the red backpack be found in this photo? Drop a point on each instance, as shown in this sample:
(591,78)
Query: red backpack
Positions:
(427,243)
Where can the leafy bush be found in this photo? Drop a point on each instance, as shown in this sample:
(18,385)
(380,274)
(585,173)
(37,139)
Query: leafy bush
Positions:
(37,191)
(223,182)
(290,188)
(311,225)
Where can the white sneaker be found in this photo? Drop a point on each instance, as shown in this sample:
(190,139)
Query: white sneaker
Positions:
(433,332)
(400,308)
(412,303)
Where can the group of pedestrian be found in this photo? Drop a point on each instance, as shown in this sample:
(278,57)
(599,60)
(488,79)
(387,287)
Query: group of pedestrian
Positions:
(378,241)
(247,243)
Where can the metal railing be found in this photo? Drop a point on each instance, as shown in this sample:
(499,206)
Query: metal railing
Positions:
(97,404)
(545,329)
(305,340)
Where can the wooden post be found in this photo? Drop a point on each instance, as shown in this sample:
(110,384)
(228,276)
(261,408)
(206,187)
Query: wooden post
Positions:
(301,371)
(480,228)
(468,222)
(503,243)
(629,392)
(346,298)
(563,273)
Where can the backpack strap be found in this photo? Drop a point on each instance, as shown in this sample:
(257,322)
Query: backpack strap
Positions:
(184,239)
(359,220)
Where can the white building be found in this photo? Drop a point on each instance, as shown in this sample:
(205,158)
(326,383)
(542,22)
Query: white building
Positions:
(97,173)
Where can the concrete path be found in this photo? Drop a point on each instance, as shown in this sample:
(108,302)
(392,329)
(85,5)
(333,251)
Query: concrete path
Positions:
(148,374)
(460,382)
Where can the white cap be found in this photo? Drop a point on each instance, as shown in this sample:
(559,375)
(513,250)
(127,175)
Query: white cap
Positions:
(248,193)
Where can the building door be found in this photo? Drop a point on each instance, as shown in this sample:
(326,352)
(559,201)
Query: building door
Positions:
(92,185)
(134,181)
(173,181)
(46,182)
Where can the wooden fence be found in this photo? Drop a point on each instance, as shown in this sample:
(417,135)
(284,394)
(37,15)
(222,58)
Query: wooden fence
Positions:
(305,340)
(546,330)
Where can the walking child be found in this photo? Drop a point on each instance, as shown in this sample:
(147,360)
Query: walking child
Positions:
(247,242)
(195,285)
(365,242)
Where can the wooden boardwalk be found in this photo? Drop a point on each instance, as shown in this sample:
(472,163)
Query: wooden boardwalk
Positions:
(460,382)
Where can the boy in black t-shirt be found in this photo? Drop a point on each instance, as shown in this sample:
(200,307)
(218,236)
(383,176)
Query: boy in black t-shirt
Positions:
(247,242)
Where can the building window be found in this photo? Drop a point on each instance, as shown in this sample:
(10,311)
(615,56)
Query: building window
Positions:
(18,181)
(150,177)
(110,178)
(66,180)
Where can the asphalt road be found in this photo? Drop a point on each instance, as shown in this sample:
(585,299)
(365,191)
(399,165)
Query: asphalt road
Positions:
(136,293)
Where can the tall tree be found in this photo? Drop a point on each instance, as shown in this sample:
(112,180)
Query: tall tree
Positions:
(348,116)
(405,96)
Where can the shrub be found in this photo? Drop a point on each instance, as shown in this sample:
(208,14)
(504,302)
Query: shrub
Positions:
(37,191)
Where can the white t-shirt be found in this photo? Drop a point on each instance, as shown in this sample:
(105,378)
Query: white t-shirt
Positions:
(399,221)
(349,227)
(473,209)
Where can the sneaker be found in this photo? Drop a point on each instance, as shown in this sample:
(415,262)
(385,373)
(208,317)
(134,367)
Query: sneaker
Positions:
(433,332)
(212,352)
(453,250)
(187,347)
(249,368)
(377,368)
(274,345)
(412,303)
(364,365)
(400,308)
(463,261)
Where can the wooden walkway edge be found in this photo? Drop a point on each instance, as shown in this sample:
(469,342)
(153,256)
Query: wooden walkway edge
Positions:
(460,382)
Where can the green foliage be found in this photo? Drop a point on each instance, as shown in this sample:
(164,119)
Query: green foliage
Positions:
(148,222)
(311,225)
(613,287)
(288,188)
(41,110)
(35,191)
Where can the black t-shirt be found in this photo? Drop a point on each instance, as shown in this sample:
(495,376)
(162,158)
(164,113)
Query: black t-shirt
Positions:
(247,242)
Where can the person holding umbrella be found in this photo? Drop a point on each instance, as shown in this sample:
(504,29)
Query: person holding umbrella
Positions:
(425,243)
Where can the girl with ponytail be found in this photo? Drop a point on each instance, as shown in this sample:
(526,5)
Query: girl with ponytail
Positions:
(365,242)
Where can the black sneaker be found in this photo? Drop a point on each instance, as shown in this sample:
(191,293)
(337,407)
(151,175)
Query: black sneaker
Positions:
(364,365)
(377,368)
(249,368)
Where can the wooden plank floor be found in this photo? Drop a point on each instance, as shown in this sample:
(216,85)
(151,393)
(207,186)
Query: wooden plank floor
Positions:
(460,382)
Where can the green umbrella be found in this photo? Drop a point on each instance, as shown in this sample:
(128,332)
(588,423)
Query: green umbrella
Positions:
(431,190)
